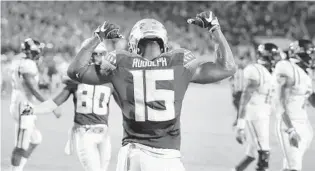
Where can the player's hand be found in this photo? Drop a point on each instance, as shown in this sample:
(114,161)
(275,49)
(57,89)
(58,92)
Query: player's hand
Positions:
(294,138)
(205,19)
(240,136)
(108,31)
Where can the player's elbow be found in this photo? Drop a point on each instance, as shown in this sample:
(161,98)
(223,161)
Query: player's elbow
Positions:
(73,72)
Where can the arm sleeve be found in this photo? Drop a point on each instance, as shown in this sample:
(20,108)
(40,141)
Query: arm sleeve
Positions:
(283,68)
(190,61)
(109,62)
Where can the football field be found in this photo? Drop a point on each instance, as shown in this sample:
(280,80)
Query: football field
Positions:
(208,140)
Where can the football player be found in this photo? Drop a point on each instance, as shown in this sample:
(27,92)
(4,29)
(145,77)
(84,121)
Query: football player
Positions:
(294,88)
(25,92)
(89,133)
(151,82)
(237,83)
(255,107)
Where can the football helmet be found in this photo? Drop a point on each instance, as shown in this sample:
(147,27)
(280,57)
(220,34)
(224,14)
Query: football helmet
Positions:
(147,29)
(32,48)
(268,55)
(302,53)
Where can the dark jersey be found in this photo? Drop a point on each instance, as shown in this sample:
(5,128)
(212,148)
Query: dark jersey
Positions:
(150,94)
(91,103)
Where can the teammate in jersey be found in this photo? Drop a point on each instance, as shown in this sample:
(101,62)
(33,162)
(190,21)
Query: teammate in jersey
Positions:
(89,134)
(255,107)
(294,87)
(25,92)
(151,82)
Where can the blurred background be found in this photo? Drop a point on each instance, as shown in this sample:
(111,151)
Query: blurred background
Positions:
(62,26)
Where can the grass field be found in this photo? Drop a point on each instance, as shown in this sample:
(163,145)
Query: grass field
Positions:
(208,142)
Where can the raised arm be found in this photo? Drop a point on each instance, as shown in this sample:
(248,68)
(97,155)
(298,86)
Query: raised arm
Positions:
(224,66)
(80,69)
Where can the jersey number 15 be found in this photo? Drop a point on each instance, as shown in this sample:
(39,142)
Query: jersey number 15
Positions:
(145,91)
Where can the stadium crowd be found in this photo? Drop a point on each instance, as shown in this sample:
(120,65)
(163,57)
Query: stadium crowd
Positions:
(63,25)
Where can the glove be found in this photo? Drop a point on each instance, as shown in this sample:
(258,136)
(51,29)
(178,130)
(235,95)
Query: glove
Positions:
(108,31)
(240,136)
(205,20)
(294,137)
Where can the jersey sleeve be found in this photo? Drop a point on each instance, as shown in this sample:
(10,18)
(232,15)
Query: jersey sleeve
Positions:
(28,67)
(283,68)
(109,62)
(251,73)
(69,83)
(190,61)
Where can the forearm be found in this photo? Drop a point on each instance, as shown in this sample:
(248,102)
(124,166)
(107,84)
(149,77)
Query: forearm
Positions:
(81,62)
(224,53)
(210,72)
(246,96)
(285,117)
(38,95)
(45,107)
(33,87)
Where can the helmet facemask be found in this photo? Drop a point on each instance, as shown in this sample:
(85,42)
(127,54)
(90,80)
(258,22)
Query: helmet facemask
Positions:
(302,53)
(267,55)
(32,48)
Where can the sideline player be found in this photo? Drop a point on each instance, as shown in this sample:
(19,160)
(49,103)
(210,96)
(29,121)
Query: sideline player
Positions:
(89,133)
(151,82)
(237,83)
(294,87)
(25,92)
(255,107)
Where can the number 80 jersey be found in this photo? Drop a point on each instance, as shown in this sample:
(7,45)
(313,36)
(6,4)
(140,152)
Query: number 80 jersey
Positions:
(150,94)
(91,103)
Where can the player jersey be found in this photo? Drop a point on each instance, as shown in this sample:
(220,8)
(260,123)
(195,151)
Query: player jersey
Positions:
(262,76)
(19,89)
(299,92)
(150,94)
(90,103)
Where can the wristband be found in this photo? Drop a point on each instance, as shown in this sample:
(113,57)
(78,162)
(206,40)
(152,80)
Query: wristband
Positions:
(241,123)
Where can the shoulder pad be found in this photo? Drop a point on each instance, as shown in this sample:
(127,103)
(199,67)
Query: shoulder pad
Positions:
(284,68)
(28,66)
(251,72)
(188,56)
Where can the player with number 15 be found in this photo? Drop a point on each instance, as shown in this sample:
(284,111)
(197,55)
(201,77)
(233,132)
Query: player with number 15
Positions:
(151,83)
